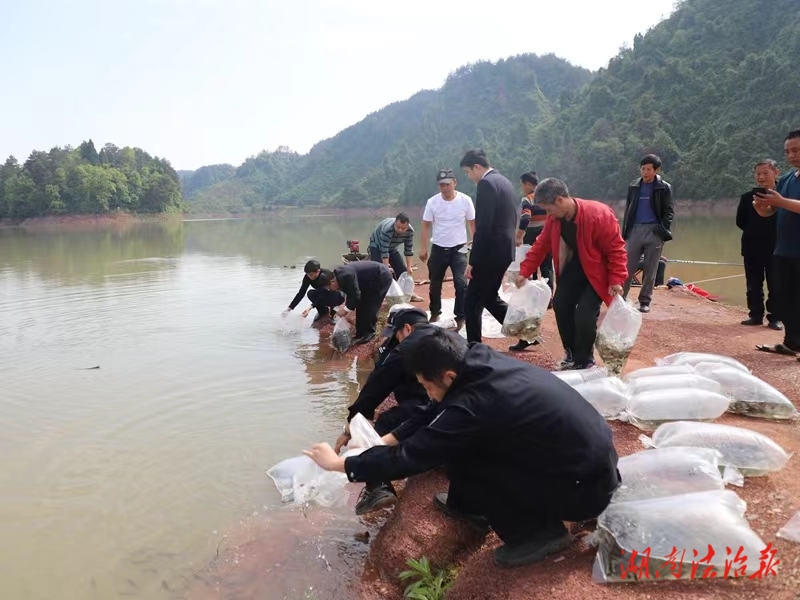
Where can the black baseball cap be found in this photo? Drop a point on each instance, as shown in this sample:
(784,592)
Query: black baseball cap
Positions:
(400,318)
(445,176)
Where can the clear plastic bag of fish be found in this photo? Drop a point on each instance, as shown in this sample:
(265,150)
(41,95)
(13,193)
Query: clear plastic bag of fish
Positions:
(693,358)
(301,481)
(791,531)
(749,395)
(395,295)
(659,371)
(668,531)
(674,382)
(752,453)
(668,472)
(513,269)
(578,376)
(406,284)
(648,410)
(608,395)
(526,309)
(617,334)
(342,337)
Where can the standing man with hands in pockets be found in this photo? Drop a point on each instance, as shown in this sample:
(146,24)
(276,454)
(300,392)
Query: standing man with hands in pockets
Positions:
(493,243)
(448,213)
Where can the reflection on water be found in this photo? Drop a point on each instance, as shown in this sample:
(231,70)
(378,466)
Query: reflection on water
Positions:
(124,480)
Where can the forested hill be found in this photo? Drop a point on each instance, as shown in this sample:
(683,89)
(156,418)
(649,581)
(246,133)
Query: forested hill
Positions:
(712,89)
(394,152)
(84,181)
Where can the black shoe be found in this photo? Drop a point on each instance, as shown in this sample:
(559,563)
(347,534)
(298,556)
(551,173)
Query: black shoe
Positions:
(440,502)
(522,345)
(363,339)
(644,308)
(582,366)
(775,325)
(753,322)
(434,318)
(376,498)
(566,363)
(459,324)
(535,549)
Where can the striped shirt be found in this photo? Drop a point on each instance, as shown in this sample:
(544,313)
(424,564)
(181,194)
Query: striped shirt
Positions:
(384,238)
(533,217)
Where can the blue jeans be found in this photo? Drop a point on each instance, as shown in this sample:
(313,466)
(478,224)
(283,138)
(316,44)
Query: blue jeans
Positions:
(440,259)
(396,260)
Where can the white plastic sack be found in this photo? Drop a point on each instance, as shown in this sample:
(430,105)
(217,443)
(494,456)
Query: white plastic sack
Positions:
(668,472)
(617,334)
(406,284)
(752,453)
(526,309)
(300,480)
(674,382)
(446,323)
(608,395)
(394,295)
(341,338)
(648,410)
(513,269)
(656,371)
(578,376)
(400,306)
(791,531)
(693,358)
(748,394)
(686,522)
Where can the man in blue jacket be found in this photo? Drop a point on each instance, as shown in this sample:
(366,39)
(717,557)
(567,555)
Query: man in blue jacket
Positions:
(522,449)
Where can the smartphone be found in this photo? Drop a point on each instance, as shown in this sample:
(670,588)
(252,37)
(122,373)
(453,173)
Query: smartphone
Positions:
(760,190)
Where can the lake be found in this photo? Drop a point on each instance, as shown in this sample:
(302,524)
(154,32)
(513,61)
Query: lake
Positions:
(125,480)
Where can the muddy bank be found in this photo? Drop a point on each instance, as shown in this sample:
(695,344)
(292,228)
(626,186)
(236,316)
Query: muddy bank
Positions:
(680,321)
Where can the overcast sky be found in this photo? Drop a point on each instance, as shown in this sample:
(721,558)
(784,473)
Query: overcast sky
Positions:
(210,81)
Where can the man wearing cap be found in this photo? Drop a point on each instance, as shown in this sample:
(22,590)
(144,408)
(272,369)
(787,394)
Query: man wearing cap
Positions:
(404,329)
(448,213)
(523,450)
(364,284)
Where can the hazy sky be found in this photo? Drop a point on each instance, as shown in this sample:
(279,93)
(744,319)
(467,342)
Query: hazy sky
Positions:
(209,81)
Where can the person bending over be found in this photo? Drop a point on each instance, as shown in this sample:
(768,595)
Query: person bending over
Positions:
(324,300)
(364,284)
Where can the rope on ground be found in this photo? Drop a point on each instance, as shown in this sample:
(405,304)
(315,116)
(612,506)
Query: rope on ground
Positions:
(715,279)
(703,262)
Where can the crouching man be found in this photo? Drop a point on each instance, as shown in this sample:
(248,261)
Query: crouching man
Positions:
(523,450)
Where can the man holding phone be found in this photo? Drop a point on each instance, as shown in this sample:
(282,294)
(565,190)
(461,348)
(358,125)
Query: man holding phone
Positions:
(758,245)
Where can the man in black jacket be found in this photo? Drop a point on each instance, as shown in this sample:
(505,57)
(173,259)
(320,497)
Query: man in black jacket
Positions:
(646,226)
(404,329)
(493,243)
(364,284)
(758,244)
(324,300)
(523,450)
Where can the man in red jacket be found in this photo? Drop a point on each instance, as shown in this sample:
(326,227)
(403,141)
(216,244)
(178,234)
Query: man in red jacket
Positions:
(590,264)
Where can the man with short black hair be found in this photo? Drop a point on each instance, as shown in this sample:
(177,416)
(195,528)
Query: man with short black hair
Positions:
(324,300)
(385,239)
(646,226)
(448,213)
(523,450)
(784,201)
(404,328)
(493,243)
(758,245)
(364,284)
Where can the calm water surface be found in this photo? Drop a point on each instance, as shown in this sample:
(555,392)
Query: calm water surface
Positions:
(123,481)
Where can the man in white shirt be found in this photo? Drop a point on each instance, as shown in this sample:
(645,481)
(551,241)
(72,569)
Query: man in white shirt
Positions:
(449,213)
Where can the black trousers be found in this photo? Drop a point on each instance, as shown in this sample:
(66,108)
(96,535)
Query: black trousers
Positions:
(439,261)
(546,267)
(482,292)
(391,419)
(325,300)
(758,265)
(396,260)
(518,504)
(787,270)
(370,304)
(577,307)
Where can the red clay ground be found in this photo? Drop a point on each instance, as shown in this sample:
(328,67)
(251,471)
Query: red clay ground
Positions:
(680,321)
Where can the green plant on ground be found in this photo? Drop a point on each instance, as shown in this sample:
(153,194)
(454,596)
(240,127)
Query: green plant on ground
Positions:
(427,585)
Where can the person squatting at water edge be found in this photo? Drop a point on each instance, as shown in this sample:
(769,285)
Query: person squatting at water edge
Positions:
(522,449)
(405,327)
(324,300)
(364,284)
(589,257)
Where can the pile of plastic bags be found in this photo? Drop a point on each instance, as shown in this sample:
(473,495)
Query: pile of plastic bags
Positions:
(526,309)
(617,334)
(301,481)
